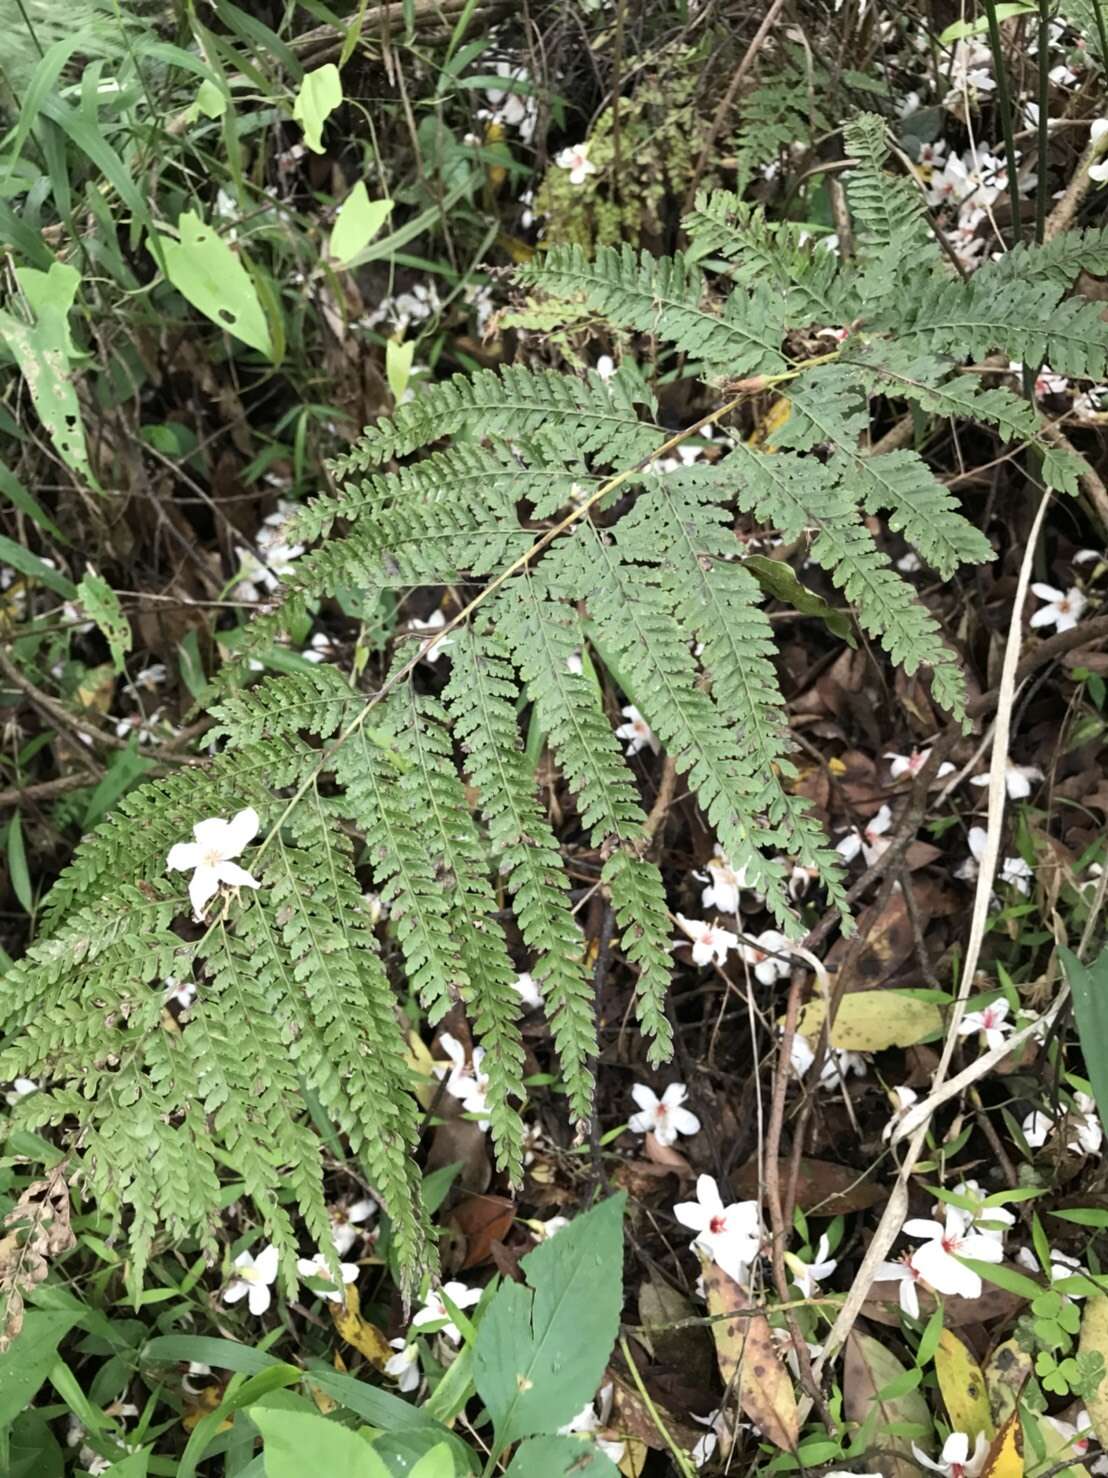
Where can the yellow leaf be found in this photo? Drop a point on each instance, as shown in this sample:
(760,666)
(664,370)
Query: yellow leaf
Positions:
(97,688)
(746,1355)
(962,1384)
(1005,1456)
(325,1403)
(634,1458)
(871,1020)
(770,423)
(1094,1341)
(1006,1374)
(207,1399)
(421,1063)
(497,174)
(356,1331)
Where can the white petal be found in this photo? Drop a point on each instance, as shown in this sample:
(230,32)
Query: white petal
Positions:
(234,1291)
(267,1263)
(685,1122)
(241,831)
(212,833)
(235,876)
(675,1095)
(924,1227)
(1047,592)
(183,857)
(203,886)
(1046,616)
(692,1215)
(641,1123)
(645,1097)
(707,1193)
(259,1298)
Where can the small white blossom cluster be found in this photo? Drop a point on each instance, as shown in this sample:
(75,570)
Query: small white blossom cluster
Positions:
(464,1079)
(260,574)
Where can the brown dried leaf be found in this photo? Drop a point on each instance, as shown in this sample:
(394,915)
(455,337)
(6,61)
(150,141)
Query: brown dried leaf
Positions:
(38,1232)
(830,1189)
(748,1358)
(482,1220)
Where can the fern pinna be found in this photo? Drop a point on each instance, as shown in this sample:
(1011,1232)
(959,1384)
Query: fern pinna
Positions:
(539,493)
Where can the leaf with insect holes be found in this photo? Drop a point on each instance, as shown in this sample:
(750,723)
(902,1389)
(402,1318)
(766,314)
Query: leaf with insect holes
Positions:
(871,1020)
(540,1351)
(962,1384)
(1094,1341)
(320,94)
(357,223)
(747,1355)
(204,269)
(101,605)
(43,350)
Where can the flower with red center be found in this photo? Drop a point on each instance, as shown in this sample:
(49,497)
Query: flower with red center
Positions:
(730,1235)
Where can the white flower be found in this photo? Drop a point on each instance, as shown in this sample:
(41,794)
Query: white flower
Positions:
(663,1117)
(471,1088)
(991,1021)
(636,731)
(216,842)
(722,892)
(528,990)
(709,942)
(590,1419)
(605,367)
(764,952)
(576,160)
(1062,1265)
(151,678)
(544,1230)
(574,663)
(320,649)
(838,1064)
(903,1099)
(801,1055)
(1013,870)
(1084,1126)
(955,1460)
(435,622)
(434,1309)
(869,841)
(183,993)
(936,1260)
(991,1221)
(910,563)
(1036,1129)
(912,764)
(265,570)
(316,1267)
(1075,1436)
(254,1275)
(345,1221)
(1063,608)
(20,1089)
(800,880)
(730,1235)
(907,1275)
(809,1275)
(1017,780)
(403,1367)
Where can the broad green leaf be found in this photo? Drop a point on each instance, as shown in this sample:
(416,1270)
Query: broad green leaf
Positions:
(320,94)
(135,1465)
(55,289)
(209,100)
(297,1444)
(35,1452)
(541,1350)
(17,864)
(959,30)
(398,366)
(42,351)
(204,269)
(437,1463)
(400,1450)
(1089,985)
(560,1457)
(101,605)
(357,223)
(28,1361)
(779,580)
(12,488)
(871,1020)
(35,568)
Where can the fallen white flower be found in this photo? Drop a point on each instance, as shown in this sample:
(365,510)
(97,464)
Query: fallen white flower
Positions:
(730,1235)
(663,1117)
(1063,609)
(316,1267)
(709,942)
(1017,780)
(254,1276)
(434,1310)
(636,731)
(216,842)
(936,1259)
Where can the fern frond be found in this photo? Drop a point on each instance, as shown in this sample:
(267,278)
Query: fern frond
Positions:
(591,416)
(481,698)
(1058,260)
(1025,320)
(888,212)
(663,296)
(721,224)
